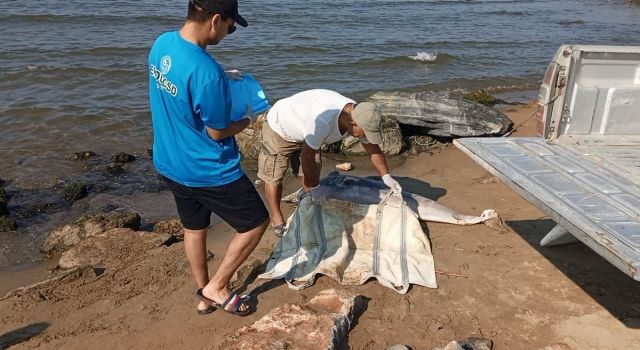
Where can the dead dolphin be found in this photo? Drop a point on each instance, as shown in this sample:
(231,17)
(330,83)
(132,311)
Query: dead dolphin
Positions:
(367,191)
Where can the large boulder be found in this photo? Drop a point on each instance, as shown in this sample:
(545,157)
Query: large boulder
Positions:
(71,234)
(439,115)
(110,248)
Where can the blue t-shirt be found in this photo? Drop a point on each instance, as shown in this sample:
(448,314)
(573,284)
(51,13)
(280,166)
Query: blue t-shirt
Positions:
(189,91)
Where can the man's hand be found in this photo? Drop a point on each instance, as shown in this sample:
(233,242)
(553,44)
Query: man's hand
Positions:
(392,183)
(248,114)
(234,74)
(317,194)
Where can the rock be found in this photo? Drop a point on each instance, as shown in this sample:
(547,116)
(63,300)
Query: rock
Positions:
(83,155)
(88,226)
(170,227)
(482,97)
(109,248)
(74,191)
(122,157)
(3,202)
(439,115)
(7,224)
(472,343)
(31,210)
(558,346)
(392,141)
(249,139)
(420,143)
(344,166)
(321,324)
(398,347)
(99,188)
(351,146)
(114,170)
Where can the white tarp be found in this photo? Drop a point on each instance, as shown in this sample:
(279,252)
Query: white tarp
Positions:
(352,243)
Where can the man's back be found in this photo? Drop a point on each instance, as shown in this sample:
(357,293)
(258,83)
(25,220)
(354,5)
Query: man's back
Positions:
(310,116)
(189,92)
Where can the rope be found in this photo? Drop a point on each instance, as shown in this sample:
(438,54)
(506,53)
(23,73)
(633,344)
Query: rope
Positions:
(531,116)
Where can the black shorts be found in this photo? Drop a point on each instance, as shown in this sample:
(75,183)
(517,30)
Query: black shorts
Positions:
(237,203)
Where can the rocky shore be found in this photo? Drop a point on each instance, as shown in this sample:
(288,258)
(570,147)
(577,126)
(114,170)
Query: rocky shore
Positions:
(120,279)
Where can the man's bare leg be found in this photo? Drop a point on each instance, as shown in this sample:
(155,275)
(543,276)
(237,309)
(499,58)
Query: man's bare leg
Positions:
(273,193)
(238,250)
(195,249)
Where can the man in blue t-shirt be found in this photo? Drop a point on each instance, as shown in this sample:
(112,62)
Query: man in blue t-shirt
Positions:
(195,152)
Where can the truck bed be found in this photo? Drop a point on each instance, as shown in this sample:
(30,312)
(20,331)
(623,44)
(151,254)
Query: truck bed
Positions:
(586,184)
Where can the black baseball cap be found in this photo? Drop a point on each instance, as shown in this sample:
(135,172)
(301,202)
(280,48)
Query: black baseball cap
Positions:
(226,8)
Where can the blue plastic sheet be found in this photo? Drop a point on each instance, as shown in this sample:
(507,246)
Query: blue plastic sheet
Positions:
(247,92)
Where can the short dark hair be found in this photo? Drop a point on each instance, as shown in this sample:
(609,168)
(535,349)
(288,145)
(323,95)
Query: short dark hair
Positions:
(197,14)
(202,10)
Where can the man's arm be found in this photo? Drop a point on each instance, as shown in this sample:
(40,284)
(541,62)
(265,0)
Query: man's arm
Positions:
(309,167)
(231,130)
(377,158)
(380,163)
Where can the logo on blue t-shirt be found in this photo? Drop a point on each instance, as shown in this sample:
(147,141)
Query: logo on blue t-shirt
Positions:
(161,76)
(165,64)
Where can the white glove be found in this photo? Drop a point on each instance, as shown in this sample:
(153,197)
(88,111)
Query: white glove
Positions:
(234,74)
(392,183)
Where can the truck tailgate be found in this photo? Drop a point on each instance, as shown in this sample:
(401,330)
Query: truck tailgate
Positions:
(597,206)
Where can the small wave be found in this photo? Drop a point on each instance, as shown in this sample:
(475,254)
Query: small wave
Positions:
(568,23)
(425,56)
(508,13)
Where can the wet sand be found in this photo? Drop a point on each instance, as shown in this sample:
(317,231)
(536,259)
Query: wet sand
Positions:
(502,286)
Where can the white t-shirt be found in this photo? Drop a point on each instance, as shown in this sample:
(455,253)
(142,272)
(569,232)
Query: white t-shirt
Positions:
(310,116)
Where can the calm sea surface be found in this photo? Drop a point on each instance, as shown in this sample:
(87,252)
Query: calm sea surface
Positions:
(73,73)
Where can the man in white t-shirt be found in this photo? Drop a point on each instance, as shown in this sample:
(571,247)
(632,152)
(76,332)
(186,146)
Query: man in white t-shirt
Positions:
(304,122)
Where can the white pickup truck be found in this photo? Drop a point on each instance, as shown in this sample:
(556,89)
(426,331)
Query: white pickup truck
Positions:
(583,170)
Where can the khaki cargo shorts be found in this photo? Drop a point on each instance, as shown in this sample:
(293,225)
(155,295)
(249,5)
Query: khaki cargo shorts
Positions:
(275,152)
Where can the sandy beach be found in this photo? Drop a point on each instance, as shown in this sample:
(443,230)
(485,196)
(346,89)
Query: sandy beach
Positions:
(497,285)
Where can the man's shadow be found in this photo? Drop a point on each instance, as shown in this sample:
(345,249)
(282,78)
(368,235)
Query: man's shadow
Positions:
(22,334)
(416,186)
(249,286)
(618,293)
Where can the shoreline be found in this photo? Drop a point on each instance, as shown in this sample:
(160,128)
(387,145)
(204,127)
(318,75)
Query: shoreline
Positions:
(497,285)
(120,190)
(360,164)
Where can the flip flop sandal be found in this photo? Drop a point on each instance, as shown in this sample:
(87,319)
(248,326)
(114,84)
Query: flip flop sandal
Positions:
(211,308)
(232,304)
(279,230)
